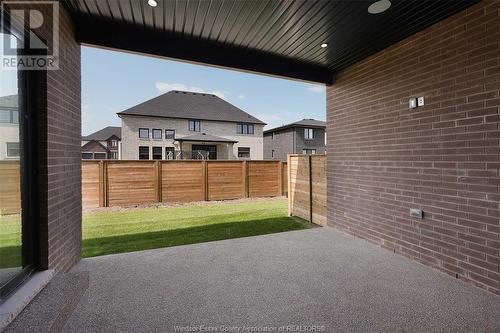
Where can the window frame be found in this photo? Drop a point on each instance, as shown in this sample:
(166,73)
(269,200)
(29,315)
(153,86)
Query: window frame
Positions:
(114,143)
(143,128)
(8,149)
(245,128)
(11,115)
(306,133)
(153,152)
(312,151)
(241,153)
(156,130)
(29,83)
(140,152)
(88,153)
(99,153)
(173,134)
(194,122)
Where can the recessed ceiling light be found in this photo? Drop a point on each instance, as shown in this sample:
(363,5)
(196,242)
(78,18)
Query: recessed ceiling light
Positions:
(324,45)
(152,3)
(379,6)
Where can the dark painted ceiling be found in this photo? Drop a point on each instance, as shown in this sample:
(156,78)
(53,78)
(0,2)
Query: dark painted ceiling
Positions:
(280,38)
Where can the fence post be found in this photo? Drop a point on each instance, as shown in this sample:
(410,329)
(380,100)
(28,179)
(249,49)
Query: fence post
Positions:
(280,178)
(289,172)
(310,190)
(246,180)
(103,184)
(205,177)
(158,181)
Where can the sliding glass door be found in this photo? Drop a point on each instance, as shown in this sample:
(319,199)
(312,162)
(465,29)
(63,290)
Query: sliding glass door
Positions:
(17,221)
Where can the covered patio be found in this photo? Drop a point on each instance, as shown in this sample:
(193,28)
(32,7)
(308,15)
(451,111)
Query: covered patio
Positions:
(205,146)
(318,277)
(413,116)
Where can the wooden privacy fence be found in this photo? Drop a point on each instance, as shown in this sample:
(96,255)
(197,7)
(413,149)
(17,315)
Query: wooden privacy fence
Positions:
(10,187)
(307,187)
(125,183)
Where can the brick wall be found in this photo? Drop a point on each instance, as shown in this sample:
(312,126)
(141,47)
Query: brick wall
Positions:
(60,155)
(283,144)
(318,142)
(384,158)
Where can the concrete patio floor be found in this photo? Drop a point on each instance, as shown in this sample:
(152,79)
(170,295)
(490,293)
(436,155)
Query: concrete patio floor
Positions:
(316,277)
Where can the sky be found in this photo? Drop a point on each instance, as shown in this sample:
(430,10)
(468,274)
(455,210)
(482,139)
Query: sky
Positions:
(115,81)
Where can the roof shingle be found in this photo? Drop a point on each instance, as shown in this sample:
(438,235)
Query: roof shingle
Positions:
(190,105)
(104,134)
(301,123)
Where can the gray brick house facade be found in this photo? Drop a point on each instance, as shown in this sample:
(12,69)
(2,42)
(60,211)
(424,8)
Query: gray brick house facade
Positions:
(189,125)
(306,136)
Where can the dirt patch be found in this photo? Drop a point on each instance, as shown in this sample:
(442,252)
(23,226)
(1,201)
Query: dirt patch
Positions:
(179,204)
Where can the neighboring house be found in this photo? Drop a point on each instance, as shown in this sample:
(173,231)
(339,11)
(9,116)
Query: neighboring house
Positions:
(306,136)
(189,125)
(9,127)
(103,144)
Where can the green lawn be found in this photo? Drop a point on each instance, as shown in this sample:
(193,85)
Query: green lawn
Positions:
(10,241)
(140,229)
(149,228)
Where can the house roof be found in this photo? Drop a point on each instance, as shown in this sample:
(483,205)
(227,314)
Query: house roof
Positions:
(205,138)
(301,123)
(190,105)
(104,134)
(9,102)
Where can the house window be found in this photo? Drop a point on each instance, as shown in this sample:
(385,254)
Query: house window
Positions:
(308,133)
(169,153)
(244,128)
(13,149)
(9,116)
(87,156)
(143,153)
(157,153)
(113,155)
(309,151)
(170,134)
(99,156)
(244,152)
(114,143)
(272,153)
(157,134)
(194,125)
(144,133)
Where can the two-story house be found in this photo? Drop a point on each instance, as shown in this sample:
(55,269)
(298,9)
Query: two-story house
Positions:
(9,127)
(189,125)
(103,144)
(306,136)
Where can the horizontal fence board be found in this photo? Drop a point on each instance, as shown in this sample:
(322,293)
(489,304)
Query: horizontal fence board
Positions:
(263,179)
(10,187)
(131,183)
(183,181)
(226,180)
